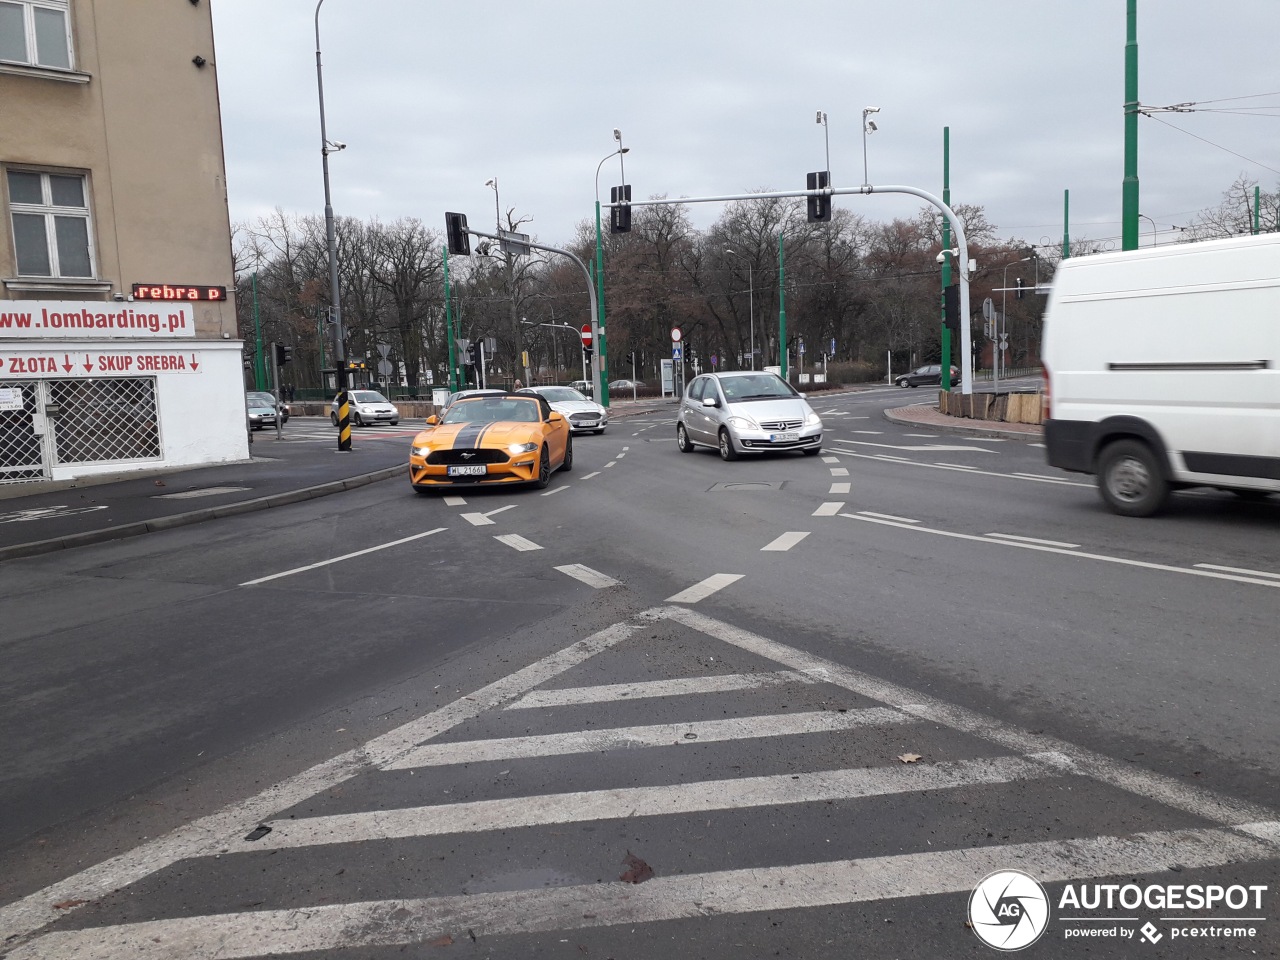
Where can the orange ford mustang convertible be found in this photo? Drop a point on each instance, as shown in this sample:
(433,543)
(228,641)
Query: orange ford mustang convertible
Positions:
(491,439)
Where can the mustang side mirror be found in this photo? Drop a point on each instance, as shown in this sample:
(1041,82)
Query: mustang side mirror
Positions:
(555,417)
(432,420)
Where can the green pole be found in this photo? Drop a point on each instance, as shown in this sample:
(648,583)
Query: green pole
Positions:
(1257,203)
(259,370)
(1066,224)
(946,259)
(603,399)
(320,338)
(782,308)
(1129,197)
(448,326)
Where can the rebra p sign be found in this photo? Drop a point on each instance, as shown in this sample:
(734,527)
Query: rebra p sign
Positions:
(167,291)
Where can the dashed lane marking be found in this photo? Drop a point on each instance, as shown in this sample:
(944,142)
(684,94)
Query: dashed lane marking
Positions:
(517,542)
(610,464)
(829,509)
(786,541)
(555,490)
(887,516)
(1243,570)
(839,471)
(476,519)
(592,578)
(840,487)
(509,506)
(830,459)
(345,556)
(588,476)
(705,588)
(657,689)
(454,502)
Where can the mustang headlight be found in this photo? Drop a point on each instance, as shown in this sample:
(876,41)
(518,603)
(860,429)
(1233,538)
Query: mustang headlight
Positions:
(812,420)
(419,451)
(743,423)
(517,448)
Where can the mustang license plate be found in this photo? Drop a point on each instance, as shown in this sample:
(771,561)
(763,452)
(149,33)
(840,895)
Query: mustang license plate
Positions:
(469,470)
(789,437)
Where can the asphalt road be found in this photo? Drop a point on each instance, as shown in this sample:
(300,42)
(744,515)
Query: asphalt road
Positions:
(458,737)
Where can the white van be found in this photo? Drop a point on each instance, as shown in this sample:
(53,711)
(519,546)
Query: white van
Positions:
(1162,370)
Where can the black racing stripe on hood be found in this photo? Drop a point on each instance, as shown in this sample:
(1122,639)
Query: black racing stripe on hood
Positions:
(469,436)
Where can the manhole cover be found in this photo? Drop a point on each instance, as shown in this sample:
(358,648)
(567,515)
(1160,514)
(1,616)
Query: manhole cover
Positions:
(746,485)
(202,492)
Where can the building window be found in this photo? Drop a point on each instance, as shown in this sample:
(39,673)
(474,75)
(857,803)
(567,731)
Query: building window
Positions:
(36,32)
(50,213)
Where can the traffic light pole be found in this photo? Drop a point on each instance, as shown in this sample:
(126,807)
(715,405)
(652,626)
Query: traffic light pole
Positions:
(591,291)
(966,344)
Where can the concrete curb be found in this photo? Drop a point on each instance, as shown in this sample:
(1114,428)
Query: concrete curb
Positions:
(963,430)
(70,541)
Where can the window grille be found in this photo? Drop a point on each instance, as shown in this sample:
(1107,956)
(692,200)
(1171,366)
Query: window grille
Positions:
(21,454)
(104,420)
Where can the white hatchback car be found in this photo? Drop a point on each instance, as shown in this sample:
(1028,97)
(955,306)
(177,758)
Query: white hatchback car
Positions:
(584,415)
(746,412)
(366,407)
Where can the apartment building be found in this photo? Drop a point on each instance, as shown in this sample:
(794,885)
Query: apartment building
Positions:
(118,347)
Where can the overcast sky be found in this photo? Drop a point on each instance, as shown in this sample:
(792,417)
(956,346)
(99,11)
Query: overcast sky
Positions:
(716,97)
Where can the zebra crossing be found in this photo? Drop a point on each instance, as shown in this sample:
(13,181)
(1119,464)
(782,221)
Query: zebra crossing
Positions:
(748,778)
(320,430)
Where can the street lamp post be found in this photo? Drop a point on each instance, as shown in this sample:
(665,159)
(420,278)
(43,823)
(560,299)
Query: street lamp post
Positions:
(1155,241)
(751,301)
(1004,296)
(600,381)
(335,297)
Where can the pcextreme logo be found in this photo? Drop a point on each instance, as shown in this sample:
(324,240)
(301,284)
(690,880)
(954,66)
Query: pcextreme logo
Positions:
(1009,910)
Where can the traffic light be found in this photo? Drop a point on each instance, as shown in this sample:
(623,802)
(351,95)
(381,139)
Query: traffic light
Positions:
(283,354)
(951,308)
(819,207)
(586,350)
(473,353)
(620,213)
(455,225)
(1018,295)
(631,357)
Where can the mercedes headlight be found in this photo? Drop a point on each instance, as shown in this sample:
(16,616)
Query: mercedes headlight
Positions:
(812,420)
(518,448)
(743,423)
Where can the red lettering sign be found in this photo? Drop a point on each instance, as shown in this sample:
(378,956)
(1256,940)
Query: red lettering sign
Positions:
(165,291)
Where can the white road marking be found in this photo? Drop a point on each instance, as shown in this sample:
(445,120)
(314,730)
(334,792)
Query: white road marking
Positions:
(1048,543)
(1044,478)
(869,433)
(555,490)
(517,542)
(1144,564)
(829,509)
(585,806)
(655,735)
(590,475)
(476,519)
(925,447)
(1251,573)
(786,541)
(610,464)
(830,459)
(840,487)
(509,506)
(1035,444)
(345,556)
(942,466)
(887,516)
(592,578)
(211,834)
(922,436)
(646,689)
(957,466)
(704,589)
(454,502)
(839,471)
(360,927)
(625,449)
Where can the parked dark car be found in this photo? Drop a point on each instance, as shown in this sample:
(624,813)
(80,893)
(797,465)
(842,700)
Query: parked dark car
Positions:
(930,373)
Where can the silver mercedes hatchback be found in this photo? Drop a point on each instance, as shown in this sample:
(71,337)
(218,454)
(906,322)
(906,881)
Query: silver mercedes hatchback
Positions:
(746,412)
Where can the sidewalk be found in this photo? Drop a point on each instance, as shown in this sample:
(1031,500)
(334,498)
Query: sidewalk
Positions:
(36,519)
(927,415)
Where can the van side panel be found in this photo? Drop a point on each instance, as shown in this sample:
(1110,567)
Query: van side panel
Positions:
(1185,339)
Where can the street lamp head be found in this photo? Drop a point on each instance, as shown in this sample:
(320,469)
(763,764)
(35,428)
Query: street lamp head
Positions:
(617,134)
(624,149)
(866,110)
(820,118)
(491,182)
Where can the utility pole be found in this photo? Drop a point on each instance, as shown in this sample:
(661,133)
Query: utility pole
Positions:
(946,259)
(1129,196)
(1066,224)
(782,307)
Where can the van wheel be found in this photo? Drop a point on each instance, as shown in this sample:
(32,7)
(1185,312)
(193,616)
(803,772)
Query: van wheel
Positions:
(682,439)
(1130,479)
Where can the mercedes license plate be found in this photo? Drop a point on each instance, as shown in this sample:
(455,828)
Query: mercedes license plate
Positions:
(469,470)
(788,437)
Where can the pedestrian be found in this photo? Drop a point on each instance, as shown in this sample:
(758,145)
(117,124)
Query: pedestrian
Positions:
(517,385)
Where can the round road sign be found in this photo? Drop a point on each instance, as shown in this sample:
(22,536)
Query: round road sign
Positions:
(676,334)
(586,334)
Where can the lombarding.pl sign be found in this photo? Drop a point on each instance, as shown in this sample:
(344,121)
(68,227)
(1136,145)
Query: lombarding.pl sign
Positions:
(52,319)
